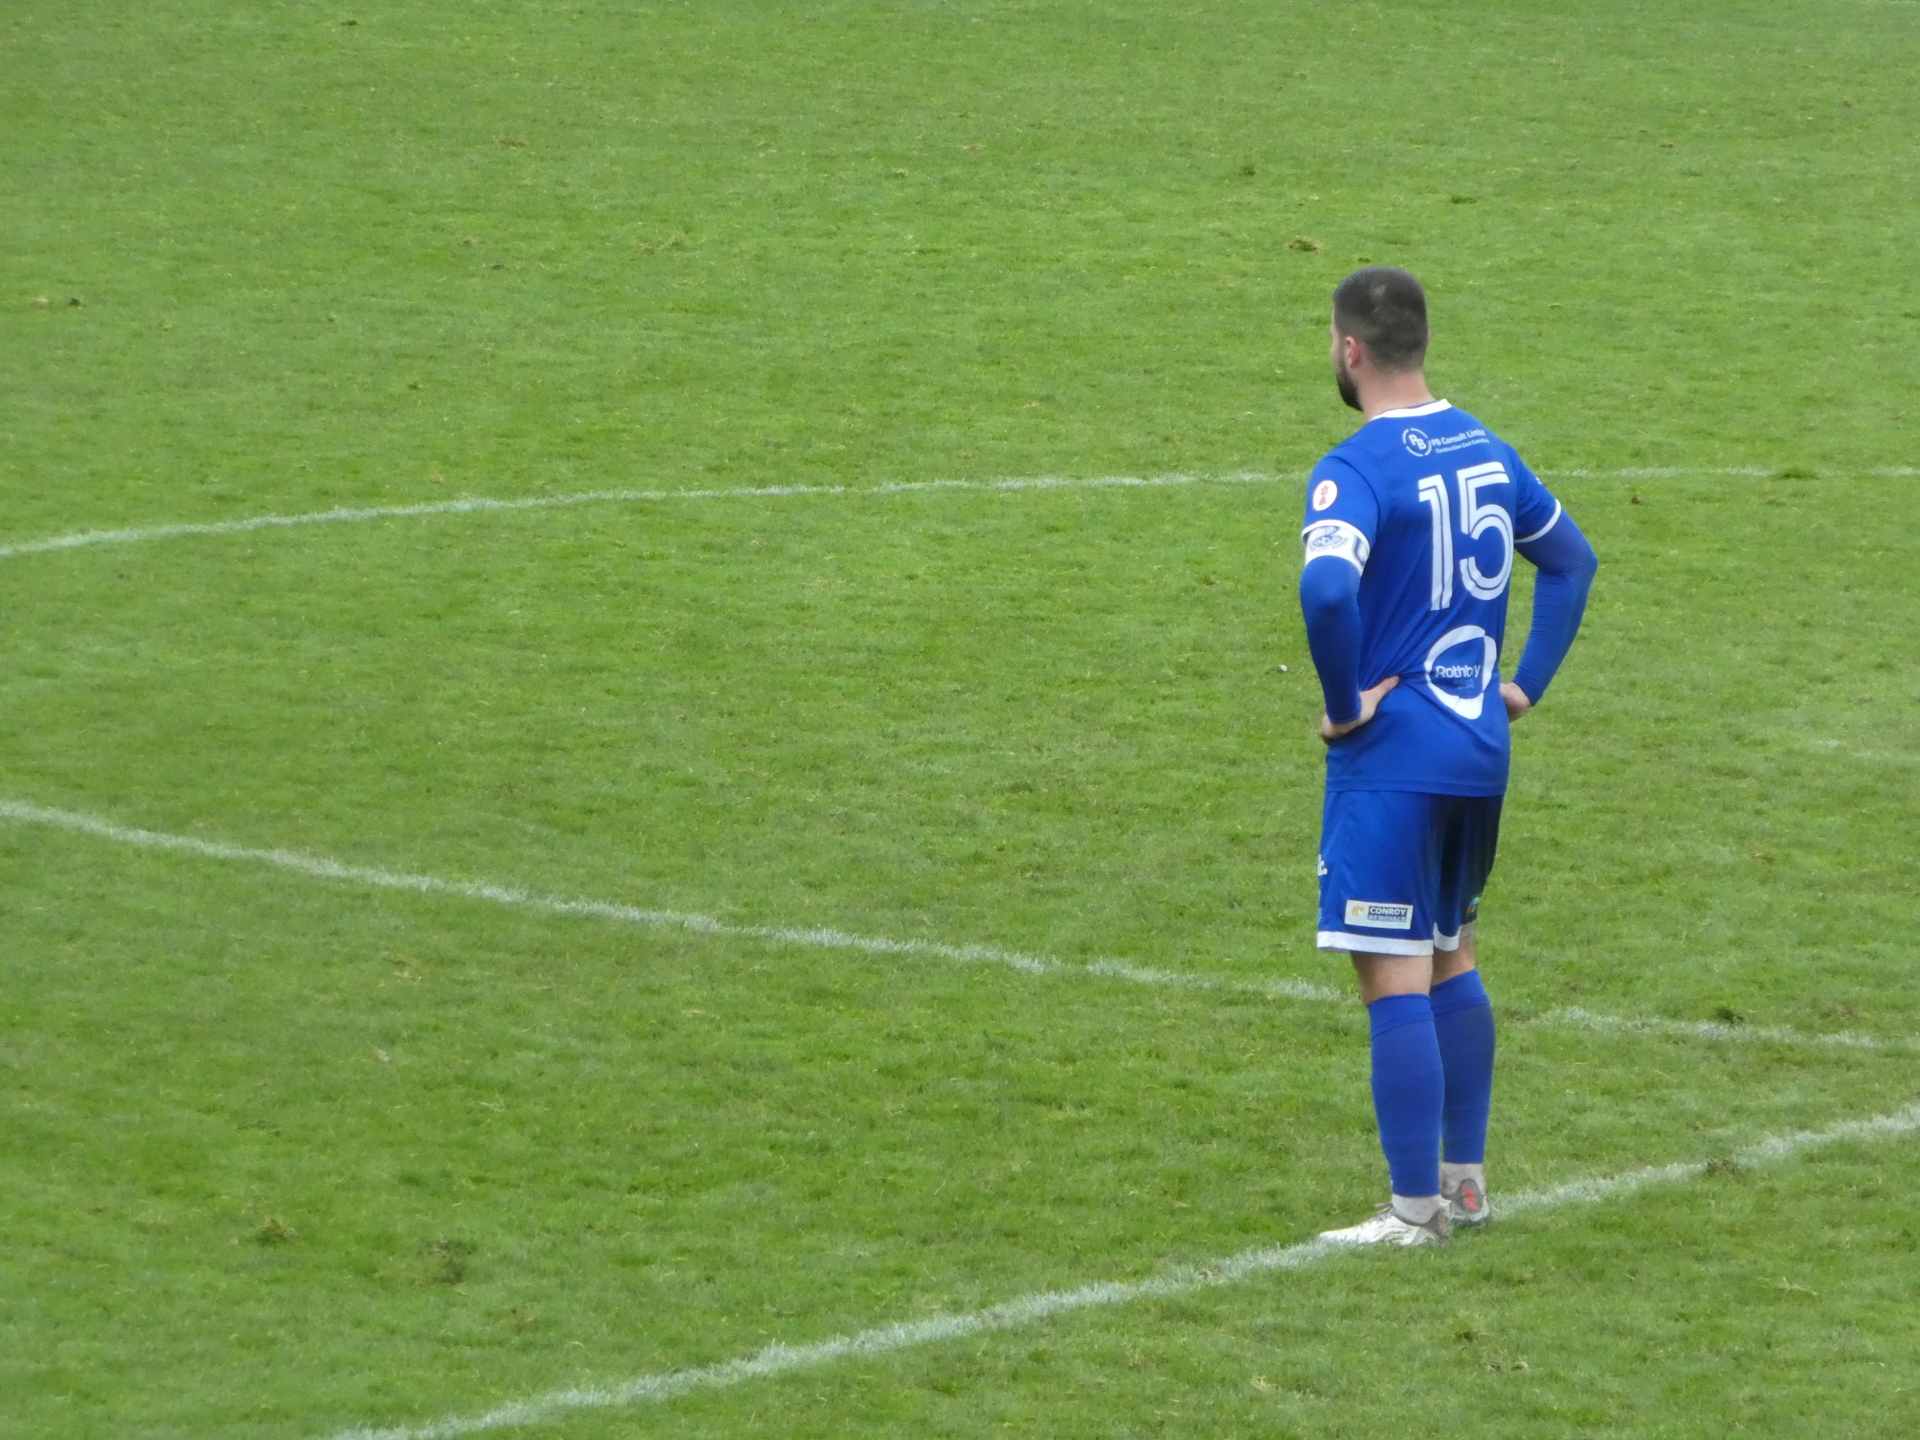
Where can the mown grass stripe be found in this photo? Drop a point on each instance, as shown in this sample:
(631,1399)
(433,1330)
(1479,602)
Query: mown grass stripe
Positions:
(889,1339)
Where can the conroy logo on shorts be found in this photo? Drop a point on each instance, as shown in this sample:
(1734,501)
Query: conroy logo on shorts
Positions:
(1377,916)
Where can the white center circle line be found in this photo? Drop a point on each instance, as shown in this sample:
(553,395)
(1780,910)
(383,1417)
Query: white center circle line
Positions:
(134,535)
(1186,1280)
(320,867)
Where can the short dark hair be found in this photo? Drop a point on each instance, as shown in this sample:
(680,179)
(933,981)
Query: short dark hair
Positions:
(1384,308)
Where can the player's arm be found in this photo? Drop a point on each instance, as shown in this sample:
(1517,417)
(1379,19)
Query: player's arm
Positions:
(1341,516)
(1566,565)
(1330,603)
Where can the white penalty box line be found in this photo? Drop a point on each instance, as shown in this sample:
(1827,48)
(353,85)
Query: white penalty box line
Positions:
(819,937)
(482,505)
(775,1360)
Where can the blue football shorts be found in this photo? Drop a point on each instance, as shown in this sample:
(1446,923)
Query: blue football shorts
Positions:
(1401,873)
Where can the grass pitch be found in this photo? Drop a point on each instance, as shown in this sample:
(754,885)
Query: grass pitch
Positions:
(285,1156)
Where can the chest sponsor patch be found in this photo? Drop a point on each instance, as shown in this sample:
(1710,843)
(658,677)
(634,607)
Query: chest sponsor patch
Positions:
(1376,915)
(1324,494)
(1460,669)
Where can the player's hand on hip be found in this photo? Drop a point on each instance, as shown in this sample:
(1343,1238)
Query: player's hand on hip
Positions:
(1516,700)
(1369,702)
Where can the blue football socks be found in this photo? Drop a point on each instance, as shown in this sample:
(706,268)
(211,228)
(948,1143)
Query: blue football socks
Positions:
(1463,1026)
(1409,1089)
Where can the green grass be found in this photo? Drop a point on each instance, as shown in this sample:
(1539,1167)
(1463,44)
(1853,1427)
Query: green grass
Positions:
(283,1156)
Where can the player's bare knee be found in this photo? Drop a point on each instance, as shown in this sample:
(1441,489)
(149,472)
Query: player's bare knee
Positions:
(1457,961)
(1381,975)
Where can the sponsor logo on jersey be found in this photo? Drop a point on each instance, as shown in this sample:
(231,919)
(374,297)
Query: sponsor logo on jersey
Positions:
(1416,441)
(1378,915)
(1460,668)
(1447,444)
(1324,494)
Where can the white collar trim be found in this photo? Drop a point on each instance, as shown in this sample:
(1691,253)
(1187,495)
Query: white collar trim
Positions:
(1432,408)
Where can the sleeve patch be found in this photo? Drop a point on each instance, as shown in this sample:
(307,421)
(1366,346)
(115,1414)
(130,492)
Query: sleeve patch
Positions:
(1324,494)
(1337,538)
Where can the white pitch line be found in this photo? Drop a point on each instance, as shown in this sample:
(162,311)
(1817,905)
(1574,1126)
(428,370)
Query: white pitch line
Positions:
(1759,472)
(889,1339)
(481,504)
(320,867)
(1574,1018)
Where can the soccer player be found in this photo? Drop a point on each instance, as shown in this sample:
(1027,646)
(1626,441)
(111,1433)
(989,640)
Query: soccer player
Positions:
(1412,527)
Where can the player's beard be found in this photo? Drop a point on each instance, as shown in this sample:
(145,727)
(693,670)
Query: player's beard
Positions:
(1343,381)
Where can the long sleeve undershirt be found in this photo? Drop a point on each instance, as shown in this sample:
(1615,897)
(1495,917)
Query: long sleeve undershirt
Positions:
(1330,602)
(1566,563)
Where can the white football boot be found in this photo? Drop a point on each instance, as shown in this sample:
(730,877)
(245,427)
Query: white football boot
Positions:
(1387,1228)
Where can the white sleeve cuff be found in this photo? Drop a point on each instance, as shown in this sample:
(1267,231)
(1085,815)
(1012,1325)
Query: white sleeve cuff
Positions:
(1552,520)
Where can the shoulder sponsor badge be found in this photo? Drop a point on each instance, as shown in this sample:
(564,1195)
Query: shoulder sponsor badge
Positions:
(1324,494)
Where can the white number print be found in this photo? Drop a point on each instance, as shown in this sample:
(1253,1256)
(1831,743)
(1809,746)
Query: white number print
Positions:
(1476,519)
(1433,492)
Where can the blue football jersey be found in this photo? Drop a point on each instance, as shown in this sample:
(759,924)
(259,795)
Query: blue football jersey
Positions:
(1428,505)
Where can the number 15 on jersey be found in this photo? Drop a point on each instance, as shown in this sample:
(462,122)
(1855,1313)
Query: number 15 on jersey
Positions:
(1477,517)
